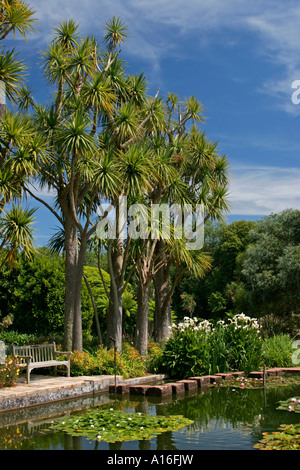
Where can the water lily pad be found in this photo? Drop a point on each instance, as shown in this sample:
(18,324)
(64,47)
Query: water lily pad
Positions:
(291,404)
(253,383)
(286,438)
(114,426)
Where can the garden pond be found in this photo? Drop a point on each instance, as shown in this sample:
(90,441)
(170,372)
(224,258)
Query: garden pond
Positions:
(215,418)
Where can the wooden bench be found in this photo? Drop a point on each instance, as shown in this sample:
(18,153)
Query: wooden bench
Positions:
(39,356)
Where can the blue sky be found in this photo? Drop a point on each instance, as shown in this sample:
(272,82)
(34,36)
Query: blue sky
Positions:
(239,58)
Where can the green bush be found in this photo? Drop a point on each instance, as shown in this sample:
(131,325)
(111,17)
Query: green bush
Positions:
(244,344)
(154,358)
(277,351)
(8,372)
(21,339)
(197,348)
(101,362)
(187,351)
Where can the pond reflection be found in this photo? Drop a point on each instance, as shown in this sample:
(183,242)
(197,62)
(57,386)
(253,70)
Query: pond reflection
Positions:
(224,418)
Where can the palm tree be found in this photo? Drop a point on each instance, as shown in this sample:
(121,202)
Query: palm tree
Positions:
(15,16)
(92,121)
(19,144)
(202,178)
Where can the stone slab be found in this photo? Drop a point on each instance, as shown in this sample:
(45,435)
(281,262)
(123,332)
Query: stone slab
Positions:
(138,390)
(213,378)
(202,381)
(238,374)
(291,370)
(226,376)
(120,389)
(189,384)
(256,374)
(177,387)
(275,371)
(159,390)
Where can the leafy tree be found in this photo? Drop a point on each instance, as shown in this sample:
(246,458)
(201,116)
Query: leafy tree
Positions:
(270,267)
(214,294)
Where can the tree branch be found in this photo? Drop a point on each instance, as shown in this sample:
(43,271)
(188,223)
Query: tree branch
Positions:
(45,204)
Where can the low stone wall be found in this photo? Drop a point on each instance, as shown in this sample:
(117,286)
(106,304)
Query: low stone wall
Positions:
(193,382)
(50,390)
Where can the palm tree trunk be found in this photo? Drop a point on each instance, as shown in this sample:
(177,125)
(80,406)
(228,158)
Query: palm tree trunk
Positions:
(71,259)
(162,314)
(96,318)
(2,100)
(141,334)
(115,311)
(77,323)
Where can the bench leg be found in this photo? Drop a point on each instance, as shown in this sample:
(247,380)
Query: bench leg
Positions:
(27,374)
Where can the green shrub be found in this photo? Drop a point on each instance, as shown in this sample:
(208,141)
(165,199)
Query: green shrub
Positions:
(187,351)
(197,348)
(21,339)
(244,343)
(277,351)
(101,362)
(8,372)
(154,357)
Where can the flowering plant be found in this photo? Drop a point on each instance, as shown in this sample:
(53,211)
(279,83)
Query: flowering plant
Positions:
(201,347)
(8,372)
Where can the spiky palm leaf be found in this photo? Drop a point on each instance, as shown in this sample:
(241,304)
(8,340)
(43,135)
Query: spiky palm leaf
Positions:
(16,232)
(66,35)
(11,73)
(16,15)
(116,33)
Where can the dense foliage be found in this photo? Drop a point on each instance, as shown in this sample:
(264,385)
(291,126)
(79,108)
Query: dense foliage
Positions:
(102,361)
(33,295)
(198,348)
(255,270)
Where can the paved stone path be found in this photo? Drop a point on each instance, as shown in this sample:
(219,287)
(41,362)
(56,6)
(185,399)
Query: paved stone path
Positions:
(47,389)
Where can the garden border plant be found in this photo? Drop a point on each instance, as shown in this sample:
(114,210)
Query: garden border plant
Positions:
(201,347)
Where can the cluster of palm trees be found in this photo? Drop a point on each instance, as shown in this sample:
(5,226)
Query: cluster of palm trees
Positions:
(101,136)
(18,140)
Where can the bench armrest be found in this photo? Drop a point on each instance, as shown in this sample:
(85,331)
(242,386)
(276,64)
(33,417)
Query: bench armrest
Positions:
(27,358)
(58,353)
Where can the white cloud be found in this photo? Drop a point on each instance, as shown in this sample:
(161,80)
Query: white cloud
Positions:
(261,190)
(157,28)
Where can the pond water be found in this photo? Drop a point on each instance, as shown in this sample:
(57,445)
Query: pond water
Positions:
(224,419)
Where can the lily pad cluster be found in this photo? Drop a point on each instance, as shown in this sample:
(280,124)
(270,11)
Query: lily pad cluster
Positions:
(286,438)
(115,426)
(255,383)
(291,404)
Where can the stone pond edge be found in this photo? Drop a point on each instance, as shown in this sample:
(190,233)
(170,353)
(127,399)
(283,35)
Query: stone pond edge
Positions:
(51,390)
